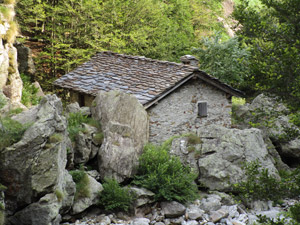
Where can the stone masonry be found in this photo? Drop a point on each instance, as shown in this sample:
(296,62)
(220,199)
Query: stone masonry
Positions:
(177,113)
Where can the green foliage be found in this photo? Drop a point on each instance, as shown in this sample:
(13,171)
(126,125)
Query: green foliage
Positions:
(74,30)
(98,138)
(193,139)
(29,92)
(225,60)
(15,111)
(2,217)
(295,212)
(59,195)
(2,187)
(114,197)
(74,124)
(260,185)
(165,175)
(11,132)
(294,118)
(55,138)
(271,32)
(82,183)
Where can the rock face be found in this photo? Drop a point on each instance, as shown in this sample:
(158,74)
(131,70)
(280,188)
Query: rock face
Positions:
(125,125)
(10,80)
(82,204)
(85,149)
(221,155)
(271,116)
(33,169)
(25,60)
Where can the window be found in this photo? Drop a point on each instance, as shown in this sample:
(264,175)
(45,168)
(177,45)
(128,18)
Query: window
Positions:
(202,108)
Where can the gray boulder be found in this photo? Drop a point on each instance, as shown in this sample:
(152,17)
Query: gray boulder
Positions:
(43,212)
(82,203)
(220,156)
(126,129)
(35,166)
(225,150)
(172,209)
(142,195)
(84,147)
(272,117)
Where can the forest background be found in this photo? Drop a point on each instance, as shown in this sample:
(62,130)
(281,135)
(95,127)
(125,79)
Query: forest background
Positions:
(263,56)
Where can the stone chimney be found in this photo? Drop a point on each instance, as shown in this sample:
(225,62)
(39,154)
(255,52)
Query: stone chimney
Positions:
(189,60)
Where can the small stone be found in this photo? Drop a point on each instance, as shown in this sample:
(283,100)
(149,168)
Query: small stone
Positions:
(194,212)
(236,222)
(218,215)
(140,221)
(192,222)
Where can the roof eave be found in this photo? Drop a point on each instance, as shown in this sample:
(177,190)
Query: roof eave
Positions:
(167,92)
(218,84)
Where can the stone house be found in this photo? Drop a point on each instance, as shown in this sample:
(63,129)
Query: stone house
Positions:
(178,97)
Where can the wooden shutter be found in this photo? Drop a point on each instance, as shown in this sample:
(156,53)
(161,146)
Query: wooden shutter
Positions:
(202,108)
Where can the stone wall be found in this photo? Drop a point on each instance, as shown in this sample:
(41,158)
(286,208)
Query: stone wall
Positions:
(82,99)
(177,113)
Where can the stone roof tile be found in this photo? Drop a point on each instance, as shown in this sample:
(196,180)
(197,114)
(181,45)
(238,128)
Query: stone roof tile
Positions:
(145,78)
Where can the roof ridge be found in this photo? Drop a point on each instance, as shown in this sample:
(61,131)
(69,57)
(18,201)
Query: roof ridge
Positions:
(147,59)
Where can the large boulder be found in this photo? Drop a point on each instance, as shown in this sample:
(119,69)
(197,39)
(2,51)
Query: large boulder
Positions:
(43,212)
(14,85)
(85,148)
(126,129)
(271,116)
(82,203)
(35,166)
(222,153)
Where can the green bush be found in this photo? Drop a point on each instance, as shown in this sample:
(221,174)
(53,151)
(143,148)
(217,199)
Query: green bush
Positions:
(75,121)
(165,175)
(82,181)
(11,132)
(193,139)
(29,92)
(294,212)
(260,185)
(114,197)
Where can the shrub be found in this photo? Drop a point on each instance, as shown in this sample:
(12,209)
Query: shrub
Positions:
(114,197)
(56,137)
(59,195)
(294,212)
(193,139)
(259,185)
(29,92)
(11,132)
(2,187)
(165,175)
(82,183)
(98,138)
(74,126)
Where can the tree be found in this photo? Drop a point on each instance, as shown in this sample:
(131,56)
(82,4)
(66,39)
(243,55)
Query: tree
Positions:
(273,34)
(225,60)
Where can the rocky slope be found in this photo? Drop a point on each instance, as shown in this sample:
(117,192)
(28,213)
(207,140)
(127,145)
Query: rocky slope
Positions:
(37,182)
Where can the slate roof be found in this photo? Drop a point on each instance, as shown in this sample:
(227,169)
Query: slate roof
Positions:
(145,78)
